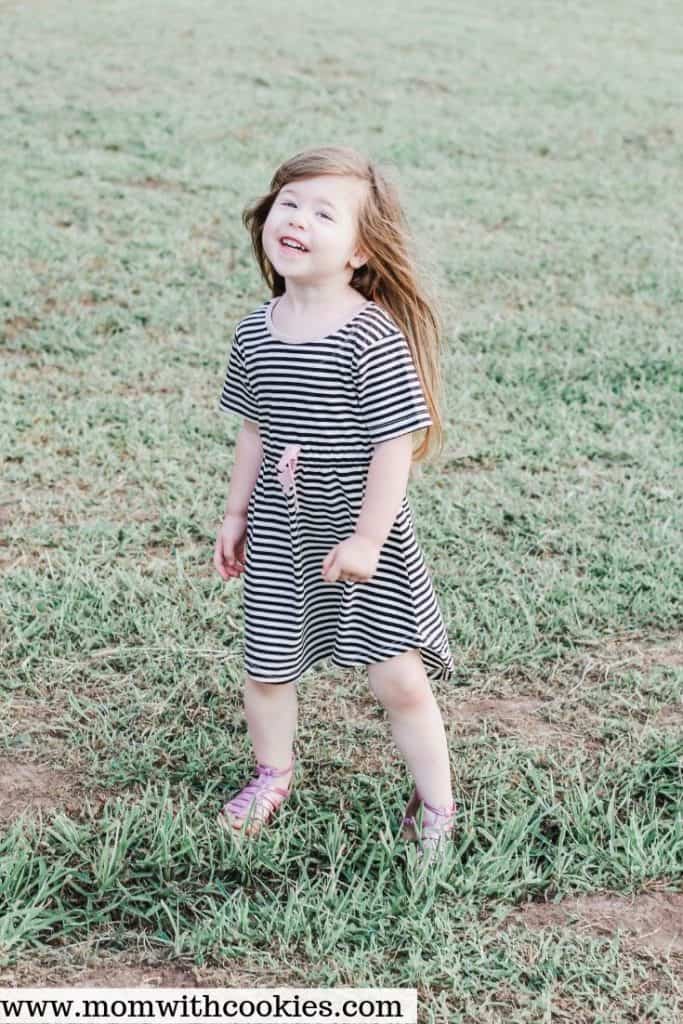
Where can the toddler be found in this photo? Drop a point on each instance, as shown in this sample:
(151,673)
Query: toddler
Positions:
(332,376)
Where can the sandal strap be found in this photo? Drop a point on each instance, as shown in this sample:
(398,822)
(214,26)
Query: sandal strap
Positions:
(266,769)
(260,791)
(442,811)
(442,826)
(442,823)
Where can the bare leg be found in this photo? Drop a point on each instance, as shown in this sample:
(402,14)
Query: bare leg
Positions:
(402,686)
(271,713)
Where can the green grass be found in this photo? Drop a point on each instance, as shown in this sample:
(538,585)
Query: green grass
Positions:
(538,149)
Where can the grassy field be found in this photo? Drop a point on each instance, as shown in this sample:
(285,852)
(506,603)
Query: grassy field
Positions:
(538,147)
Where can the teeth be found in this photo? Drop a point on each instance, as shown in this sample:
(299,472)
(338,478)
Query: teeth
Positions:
(292,245)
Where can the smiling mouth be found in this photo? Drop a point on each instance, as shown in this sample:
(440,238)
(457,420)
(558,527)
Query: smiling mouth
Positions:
(291,247)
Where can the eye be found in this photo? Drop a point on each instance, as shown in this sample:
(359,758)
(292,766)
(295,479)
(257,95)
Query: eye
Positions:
(289,202)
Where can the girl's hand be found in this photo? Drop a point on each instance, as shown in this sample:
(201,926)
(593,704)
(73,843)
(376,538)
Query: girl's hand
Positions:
(353,559)
(228,556)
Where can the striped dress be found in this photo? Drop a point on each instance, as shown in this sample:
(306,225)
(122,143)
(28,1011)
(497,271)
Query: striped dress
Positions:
(321,406)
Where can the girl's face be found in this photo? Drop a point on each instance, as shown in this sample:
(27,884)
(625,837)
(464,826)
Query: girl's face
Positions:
(322,214)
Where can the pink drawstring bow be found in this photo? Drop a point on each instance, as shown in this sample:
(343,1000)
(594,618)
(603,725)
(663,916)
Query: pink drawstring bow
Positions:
(286,469)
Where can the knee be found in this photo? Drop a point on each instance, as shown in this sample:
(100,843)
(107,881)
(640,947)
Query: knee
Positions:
(400,687)
(265,689)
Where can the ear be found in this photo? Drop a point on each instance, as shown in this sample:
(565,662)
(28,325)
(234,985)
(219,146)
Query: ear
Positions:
(358,258)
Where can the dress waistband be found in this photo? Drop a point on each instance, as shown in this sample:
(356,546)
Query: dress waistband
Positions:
(285,464)
(337,454)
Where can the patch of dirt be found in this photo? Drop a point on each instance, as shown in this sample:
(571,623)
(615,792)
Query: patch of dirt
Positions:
(519,718)
(19,325)
(135,391)
(198,558)
(31,787)
(427,85)
(359,740)
(11,558)
(150,182)
(639,652)
(136,977)
(100,969)
(463,462)
(651,922)
(339,704)
(595,663)
(669,714)
(34,724)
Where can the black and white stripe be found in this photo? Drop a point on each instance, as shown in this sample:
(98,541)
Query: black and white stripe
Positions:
(335,398)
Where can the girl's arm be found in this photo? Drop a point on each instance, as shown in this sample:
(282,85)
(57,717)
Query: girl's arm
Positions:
(248,455)
(385,488)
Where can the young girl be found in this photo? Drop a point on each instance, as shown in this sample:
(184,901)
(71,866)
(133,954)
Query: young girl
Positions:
(332,376)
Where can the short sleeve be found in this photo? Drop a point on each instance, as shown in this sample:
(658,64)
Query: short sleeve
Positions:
(390,395)
(236,394)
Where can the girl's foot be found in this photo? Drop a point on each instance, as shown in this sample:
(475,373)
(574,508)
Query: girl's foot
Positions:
(432,827)
(255,805)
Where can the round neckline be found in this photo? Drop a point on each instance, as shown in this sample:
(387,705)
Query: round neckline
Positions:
(278,335)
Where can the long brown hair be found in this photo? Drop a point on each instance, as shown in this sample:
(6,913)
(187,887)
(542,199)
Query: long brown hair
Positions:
(390,277)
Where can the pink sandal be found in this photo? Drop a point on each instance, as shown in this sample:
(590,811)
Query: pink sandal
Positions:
(438,824)
(255,805)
